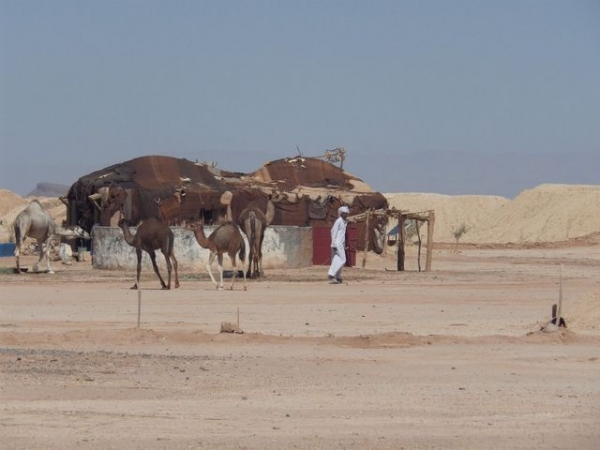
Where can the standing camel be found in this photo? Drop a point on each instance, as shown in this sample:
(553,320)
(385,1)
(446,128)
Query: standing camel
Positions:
(151,235)
(254,223)
(227,238)
(35,222)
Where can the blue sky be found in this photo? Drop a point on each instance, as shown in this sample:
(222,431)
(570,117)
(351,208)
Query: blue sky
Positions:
(454,97)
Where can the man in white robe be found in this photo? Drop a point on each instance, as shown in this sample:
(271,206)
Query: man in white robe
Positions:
(338,245)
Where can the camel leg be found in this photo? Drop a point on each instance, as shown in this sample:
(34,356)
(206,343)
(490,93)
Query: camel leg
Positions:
(169,270)
(250,259)
(155,267)
(17,253)
(259,260)
(47,254)
(244,274)
(36,266)
(220,265)
(211,258)
(234,273)
(138,253)
(44,250)
(234,264)
(256,273)
(260,269)
(175,265)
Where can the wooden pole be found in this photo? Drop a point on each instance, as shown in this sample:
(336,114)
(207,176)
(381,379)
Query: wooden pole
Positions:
(364,260)
(418,227)
(139,306)
(401,239)
(430,226)
(560,296)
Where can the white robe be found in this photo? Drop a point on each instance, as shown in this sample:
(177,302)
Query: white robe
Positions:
(338,247)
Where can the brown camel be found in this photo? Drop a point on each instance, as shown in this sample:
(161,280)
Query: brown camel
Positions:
(254,223)
(227,238)
(151,235)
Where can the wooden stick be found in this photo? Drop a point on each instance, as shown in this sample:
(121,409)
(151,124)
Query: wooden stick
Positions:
(418,226)
(560,296)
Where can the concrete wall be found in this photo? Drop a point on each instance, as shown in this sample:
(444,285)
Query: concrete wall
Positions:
(283,248)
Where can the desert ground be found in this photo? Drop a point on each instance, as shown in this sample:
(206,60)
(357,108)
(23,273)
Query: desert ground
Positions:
(453,358)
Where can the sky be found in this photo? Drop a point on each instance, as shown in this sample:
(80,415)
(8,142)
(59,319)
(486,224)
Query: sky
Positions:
(478,97)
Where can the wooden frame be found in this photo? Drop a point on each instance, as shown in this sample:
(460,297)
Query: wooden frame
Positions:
(402,216)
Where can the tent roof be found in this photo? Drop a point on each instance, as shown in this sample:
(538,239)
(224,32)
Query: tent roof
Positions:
(158,173)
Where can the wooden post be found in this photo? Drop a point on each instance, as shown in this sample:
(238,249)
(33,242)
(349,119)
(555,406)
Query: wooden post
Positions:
(418,227)
(364,260)
(401,239)
(430,225)
(560,296)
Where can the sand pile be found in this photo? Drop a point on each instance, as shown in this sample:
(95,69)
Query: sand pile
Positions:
(12,204)
(451,212)
(547,213)
(8,201)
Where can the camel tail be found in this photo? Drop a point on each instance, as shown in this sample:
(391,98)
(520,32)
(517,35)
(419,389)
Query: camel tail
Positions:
(17,231)
(252,236)
(242,253)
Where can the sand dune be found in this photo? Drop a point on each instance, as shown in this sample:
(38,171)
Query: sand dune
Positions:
(547,213)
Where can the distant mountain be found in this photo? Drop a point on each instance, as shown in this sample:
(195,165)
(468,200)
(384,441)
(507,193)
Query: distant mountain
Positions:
(48,190)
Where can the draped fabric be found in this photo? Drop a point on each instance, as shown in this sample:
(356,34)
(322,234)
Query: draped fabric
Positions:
(304,191)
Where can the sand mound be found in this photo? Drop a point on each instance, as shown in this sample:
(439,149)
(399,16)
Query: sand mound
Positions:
(451,212)
(547,213)
(8,201)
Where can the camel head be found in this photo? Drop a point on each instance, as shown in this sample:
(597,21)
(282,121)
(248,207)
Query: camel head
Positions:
(123,222)
(80,232)
(115,198)
(72,232)
(196,227)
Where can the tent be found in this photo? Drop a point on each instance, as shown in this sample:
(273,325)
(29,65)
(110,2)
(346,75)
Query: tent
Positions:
(305,191)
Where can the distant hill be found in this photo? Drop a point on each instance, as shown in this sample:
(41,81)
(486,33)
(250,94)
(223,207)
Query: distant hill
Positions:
(48,190)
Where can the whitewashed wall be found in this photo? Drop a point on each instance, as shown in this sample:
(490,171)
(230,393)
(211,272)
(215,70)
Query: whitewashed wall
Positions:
(283,248)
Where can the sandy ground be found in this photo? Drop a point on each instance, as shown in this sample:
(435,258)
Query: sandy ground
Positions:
(448,359)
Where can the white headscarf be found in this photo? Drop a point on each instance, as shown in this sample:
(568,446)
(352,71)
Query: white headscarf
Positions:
(343,209)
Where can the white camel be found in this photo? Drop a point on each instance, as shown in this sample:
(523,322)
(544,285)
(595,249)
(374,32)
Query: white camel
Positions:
(227,238)
(35,222)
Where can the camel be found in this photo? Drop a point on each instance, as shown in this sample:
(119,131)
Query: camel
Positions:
(226,238)
(151,235)
(35,222)
(254,222)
